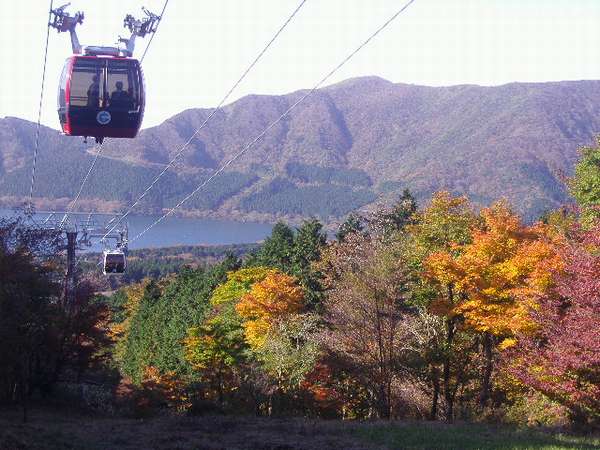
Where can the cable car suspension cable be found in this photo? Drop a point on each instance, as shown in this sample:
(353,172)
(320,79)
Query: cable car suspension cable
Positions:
(155,30)
(257,138)
(210,116)
(74,201)
(37,133)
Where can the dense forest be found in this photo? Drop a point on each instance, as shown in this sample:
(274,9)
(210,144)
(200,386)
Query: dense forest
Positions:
(437,311)
(324,200)
(317,174)
(60,176)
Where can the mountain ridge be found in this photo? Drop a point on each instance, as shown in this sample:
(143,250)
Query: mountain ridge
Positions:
(512,140)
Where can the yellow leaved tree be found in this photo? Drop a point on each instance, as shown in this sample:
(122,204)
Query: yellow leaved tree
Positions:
(274,298)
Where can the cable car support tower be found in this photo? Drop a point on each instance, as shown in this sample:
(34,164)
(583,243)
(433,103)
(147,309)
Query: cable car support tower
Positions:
(82,231)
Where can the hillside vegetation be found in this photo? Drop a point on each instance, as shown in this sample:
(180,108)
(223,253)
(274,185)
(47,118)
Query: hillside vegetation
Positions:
(414,314)
(350,144)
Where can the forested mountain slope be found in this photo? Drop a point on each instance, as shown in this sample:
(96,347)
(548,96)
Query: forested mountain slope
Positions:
(344,147)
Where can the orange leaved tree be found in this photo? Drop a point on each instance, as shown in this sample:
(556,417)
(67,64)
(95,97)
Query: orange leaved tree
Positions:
(499,276)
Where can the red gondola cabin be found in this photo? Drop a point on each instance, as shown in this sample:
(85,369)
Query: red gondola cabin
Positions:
(101,95)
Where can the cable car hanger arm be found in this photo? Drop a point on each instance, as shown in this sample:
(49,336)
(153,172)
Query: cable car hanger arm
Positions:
(63,21)
(138,28)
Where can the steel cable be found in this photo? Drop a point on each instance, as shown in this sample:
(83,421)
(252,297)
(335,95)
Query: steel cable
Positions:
(214,111)
(154,34)
(37,133)
(279,119)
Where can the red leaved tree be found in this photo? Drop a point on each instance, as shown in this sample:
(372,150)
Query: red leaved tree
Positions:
(562,358)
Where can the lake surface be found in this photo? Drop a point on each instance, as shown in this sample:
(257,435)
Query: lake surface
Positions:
(182,231)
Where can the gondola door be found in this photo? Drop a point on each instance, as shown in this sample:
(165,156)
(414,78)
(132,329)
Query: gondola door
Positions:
(86,95)
(125,96)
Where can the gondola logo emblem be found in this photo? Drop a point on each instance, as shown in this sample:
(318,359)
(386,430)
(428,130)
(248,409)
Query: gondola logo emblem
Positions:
(103,117)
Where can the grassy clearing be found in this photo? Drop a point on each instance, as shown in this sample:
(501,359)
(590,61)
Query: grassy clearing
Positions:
(52,431)
(470,436)
(48,430)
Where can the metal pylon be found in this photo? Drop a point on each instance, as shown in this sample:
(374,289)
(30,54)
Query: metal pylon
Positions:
(82,230)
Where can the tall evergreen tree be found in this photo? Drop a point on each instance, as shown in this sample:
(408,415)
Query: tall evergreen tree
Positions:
(309,242)
(277,249)
(160,323)
(352,224)
(403,212)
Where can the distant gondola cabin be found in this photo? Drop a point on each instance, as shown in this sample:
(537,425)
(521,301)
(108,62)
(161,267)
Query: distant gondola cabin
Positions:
(101,96)
(115,262)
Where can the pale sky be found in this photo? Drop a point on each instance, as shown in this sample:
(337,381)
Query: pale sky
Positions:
(202,47)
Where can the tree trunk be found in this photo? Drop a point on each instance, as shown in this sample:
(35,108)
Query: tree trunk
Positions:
(388,399)
(220,387)
(448,393)
(436,394)
(578,418)
(24,395)
(383,403)
(487,371)
(450,329)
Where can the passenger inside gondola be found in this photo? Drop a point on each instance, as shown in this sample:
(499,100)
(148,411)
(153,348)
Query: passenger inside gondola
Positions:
(120,98)
(93,93)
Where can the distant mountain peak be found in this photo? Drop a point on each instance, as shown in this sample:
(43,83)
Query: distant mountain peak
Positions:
(364,81)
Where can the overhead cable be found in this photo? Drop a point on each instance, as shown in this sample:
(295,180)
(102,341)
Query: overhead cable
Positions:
(214,111)
(37,132)
(279,119)
(155,30)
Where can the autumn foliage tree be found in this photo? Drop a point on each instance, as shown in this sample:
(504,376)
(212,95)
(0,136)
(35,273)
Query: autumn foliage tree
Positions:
(280,333)
(502,272)
(29,293)
(43,338)
(268,301)
(217,348)
(497,276)
(442,231)
(561,358)
(293,252)
(367,302)
(257,322)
